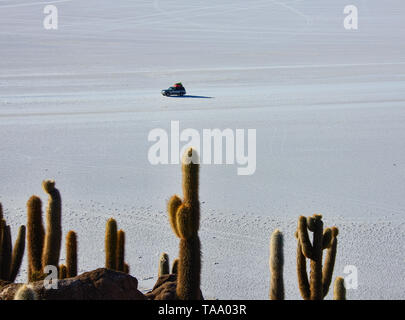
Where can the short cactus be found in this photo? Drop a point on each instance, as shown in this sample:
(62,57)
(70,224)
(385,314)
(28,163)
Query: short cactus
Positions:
(184,217)
(164,266)
(276,263)
(71,254)
(320,277)
(126,268)
(339,290)
(175,266)
(25,292)
(120,264)
(111,244)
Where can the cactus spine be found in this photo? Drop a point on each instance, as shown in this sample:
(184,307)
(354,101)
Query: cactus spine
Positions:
(25,293)
(276,263)
(339,290)
(184,218)
(164,266)
(53,236)
(320,277)
(111,244)
(71,254)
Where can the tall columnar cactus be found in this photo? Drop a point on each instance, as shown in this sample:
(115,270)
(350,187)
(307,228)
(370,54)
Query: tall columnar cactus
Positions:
(53,236)
(71,254)
(276,263)
(35,237)
(339,290)
(120,264)
(111,244)
(10,258)
(320,277)
(164,266)
(184,217)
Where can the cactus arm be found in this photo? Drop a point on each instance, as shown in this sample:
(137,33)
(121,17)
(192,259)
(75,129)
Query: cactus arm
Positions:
(328,266)
(172,208)
(53,236)
(327,238)
(184,222)
(18,254)
(303,282)
(303,236)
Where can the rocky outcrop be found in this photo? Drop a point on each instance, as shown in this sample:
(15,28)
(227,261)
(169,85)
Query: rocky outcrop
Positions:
(165,288)
(99,284)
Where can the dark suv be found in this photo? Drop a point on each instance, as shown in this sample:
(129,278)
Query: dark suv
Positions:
(173,91)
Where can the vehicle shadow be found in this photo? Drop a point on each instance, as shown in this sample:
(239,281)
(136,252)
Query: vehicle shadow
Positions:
(189,96)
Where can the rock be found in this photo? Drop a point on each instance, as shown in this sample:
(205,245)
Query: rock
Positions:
(165,288)
(99,284)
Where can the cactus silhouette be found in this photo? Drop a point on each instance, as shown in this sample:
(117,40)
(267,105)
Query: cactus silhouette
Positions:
(71,254)
(184,218)
(120,264)
(111,244)
(25,293)
(164,266)
(339,290)
(5,252)
(276,263)
(17,254)
(320,276)
(35,237)
(10,258)
(62,272)
(53,235)
(175,266)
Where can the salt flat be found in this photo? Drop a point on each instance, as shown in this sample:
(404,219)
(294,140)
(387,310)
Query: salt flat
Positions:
(328,105)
